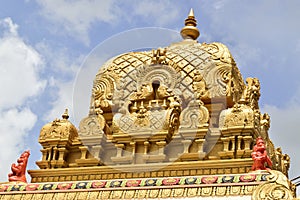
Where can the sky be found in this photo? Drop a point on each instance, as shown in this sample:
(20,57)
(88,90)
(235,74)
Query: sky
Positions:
(50,51)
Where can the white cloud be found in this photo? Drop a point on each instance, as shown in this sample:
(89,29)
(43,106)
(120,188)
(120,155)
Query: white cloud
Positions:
(14,127)
(63,100)
(62,70)
(269,28)
(76,17)
(58,59)
(20,65)
(159,13)
(9,28)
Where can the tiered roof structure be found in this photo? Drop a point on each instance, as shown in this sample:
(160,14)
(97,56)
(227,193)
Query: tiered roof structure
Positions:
(174,122)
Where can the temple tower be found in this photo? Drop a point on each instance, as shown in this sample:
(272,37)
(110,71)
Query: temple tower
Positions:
(179,121)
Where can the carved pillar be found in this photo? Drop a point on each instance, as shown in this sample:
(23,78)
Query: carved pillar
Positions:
(44,154)
(239,151)
(247,142)
(53,160)
(186,145)
(133,146)
(200,143)
(61,157)
(44,163)
(120,158)
(120,148)
(228,147)
(146,147)
(83,150)
(50,154)
(61,153)
(96,151)
(232,140)
(161,145)
(85,159)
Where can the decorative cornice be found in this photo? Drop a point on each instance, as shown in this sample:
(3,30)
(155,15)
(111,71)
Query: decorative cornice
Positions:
(164,187)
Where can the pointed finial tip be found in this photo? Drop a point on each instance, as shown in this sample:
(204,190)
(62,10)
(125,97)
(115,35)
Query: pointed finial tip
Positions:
(191,14)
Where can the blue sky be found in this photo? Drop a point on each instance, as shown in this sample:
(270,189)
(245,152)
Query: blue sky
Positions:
(44,45)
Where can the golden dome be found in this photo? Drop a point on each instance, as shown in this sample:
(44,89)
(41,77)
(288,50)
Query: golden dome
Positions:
(58,131)
(177,66)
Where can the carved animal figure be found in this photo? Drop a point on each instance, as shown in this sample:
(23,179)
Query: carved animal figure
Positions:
(260,156)
(19,170)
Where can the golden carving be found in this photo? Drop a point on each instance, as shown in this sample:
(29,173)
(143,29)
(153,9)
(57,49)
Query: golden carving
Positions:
(116,194)
(56,138)
(153,193)
(178,192)
(251,93)
(221,191)
(129,194)
(151,113)
(59,129)
(277,187)
(199,85)
(190,31)
(105,195)
(159,56)
(238,116)
(166,193)
(194,116)
(142,193)
(206,191)
(102,93)
(93,195)
(222,77)
(91,126)
(282,161)
(192,192)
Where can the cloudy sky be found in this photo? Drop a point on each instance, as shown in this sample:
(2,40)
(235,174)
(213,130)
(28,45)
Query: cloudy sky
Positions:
(46,47)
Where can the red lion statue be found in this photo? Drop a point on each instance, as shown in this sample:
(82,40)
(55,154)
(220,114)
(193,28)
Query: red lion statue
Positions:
(260,156)
(19,170)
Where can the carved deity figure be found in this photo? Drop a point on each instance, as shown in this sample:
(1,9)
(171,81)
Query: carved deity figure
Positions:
(260,156)
(145,92)
(199,85)
(159,56)
(252,92)
(19,170)
(282,161)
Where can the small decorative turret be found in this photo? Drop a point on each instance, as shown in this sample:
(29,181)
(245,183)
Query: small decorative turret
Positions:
(190,31)
(56,138)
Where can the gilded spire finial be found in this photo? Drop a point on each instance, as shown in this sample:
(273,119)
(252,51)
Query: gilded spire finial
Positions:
(190,30)
(66,114)
(191,14)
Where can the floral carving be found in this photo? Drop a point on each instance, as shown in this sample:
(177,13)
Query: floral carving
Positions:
(277,187)
(195,115)
(92,125)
